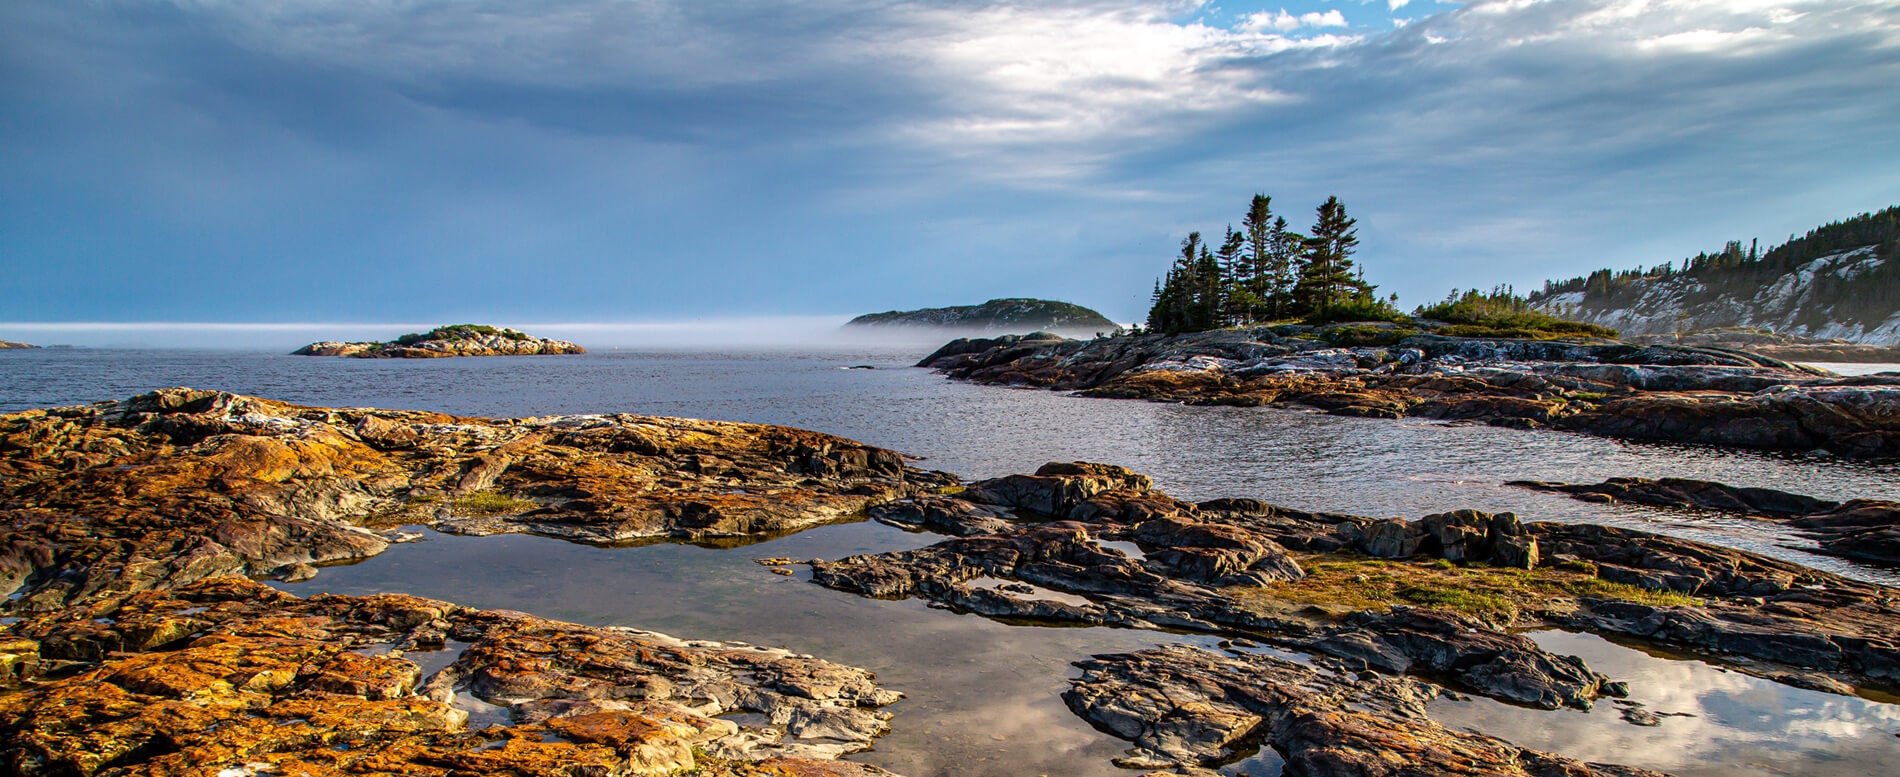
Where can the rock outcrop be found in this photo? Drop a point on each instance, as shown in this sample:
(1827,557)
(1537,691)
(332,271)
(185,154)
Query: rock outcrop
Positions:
(1864,529)
(459,340)
(1655,393)
(179,485)
(227,676)
(1444,594)
(997,316)
(1187,707)
(10,345)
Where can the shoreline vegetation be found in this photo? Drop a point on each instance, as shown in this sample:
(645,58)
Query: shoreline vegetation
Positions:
(135,641)
(446,341)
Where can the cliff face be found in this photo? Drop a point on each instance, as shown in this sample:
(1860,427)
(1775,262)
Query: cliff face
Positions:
(997,316)
(1844,295)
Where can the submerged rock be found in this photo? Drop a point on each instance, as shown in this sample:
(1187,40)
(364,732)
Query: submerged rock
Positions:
(179,485)
(226,676)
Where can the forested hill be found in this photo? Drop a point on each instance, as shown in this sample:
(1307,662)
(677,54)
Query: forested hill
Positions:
(1014,315)
(1839,281)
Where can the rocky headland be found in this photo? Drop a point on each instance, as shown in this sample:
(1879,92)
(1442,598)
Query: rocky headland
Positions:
(1377,607)
(1666,393)
(10,345)
(457,340)
(997,316)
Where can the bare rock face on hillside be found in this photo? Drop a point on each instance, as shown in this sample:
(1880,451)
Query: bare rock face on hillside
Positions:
(459,340)
(178,485)
(1823,298)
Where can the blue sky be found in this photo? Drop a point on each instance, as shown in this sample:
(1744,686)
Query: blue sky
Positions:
(657,160)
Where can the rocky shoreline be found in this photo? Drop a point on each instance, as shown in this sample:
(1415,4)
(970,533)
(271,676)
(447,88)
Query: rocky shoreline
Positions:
(1658,393)
(131,648)
(448,341)
(6,345)
(1377,603)
(137,641)
(1862,529)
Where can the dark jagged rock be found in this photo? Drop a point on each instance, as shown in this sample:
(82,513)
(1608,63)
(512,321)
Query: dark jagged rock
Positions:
(446,341)
(1187,707)
(227,676)
(1861,529)
(1711,396)
(1230,567)
(179,485)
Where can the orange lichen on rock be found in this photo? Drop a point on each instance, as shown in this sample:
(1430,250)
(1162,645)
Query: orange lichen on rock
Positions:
(267,683)
(180,485)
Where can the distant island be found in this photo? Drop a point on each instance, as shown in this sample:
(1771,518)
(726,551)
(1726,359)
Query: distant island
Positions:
(444,341)
(999,316)
(9,345)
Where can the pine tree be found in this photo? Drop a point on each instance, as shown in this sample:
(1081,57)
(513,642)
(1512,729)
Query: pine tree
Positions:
(1239,303)
(1327,278)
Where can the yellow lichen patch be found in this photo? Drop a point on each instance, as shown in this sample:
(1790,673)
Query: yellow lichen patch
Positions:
(492,503)
(1499,595)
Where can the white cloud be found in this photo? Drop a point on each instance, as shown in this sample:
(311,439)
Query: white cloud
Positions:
(1396,4)
(1282,21)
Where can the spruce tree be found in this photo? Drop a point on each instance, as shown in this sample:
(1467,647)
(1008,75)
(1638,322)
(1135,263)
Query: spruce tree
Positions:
(1327,278)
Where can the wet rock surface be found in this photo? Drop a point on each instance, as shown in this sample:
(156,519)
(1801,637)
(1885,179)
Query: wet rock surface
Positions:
(1713,396)
(1185,707)
(226,674)
(1864,529)
(1440,595)
(181,485)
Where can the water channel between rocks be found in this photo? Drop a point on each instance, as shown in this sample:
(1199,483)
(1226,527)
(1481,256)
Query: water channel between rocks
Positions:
(984,696)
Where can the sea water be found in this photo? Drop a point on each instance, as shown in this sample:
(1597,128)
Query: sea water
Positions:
(983,697)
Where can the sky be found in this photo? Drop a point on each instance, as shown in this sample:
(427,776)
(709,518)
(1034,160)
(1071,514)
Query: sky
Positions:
(567,162)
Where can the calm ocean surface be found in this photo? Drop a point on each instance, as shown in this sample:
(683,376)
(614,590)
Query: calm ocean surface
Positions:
(983,695)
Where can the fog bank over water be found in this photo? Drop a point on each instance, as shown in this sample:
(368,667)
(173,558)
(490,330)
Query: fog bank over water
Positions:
(684,333)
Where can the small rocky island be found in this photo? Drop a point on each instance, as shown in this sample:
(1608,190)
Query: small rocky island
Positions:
(10,345)
(997,316)
(136,641)
(443,341)
(1666,393)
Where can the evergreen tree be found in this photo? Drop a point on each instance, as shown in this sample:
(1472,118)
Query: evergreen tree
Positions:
(1239,302)
(1327,278)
